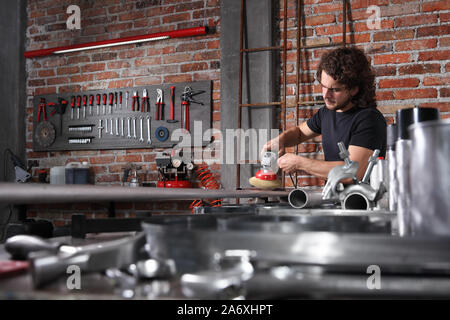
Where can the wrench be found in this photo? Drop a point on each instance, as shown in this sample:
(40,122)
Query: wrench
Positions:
(117,126)
(100,127)
(111,123)
(126,99)
(129,130)
(106,125)
(134,128)
(122,120)
(141,139)
(149,140)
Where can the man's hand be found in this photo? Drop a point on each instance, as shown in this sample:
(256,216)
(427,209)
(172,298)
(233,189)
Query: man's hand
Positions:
(274,145)
(289,163)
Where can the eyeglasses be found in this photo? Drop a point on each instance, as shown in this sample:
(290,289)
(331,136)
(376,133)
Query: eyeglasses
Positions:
(333,90)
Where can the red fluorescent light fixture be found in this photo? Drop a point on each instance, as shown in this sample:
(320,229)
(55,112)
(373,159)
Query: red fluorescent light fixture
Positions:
(117,42)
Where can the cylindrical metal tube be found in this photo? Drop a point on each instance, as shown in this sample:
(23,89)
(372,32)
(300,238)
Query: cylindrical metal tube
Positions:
(430,178)
(403,156)
(46,193)
(356,201)
(301,198)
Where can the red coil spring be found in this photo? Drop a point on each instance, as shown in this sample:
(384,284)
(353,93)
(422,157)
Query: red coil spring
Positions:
(208,182)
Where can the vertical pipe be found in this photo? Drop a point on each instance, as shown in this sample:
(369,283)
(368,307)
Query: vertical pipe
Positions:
(241,58)
(283,104)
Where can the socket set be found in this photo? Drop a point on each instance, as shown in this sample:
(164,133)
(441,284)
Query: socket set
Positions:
(125,118)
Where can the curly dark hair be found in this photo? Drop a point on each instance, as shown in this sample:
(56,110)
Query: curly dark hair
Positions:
(350,67)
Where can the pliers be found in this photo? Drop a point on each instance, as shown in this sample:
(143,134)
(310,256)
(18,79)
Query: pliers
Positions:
(159,104)
(135,101)
(41,109)
(145,102)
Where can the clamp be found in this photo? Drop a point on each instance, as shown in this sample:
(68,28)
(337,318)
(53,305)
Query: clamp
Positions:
(159,104)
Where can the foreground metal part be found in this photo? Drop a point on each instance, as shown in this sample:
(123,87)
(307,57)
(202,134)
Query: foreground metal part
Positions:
(302,198)
(47,193)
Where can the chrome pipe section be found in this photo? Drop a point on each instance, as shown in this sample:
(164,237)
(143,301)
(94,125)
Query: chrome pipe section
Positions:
(403,156)
(33,193)
(356,201)
(301,198)
(430,178)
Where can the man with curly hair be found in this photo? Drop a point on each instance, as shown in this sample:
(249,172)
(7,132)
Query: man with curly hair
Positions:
(349,115)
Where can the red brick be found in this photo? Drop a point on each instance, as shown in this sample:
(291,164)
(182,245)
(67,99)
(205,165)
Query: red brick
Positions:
(67,70)
(178,78)
(444,92)
(433,31)
(82,78)
(393,35)
(46,90)
(416,20)
(436,81)
(118,65)
(415,45)
(148,81)
(120,84)
(385,95)
(434,55)
(93,67)
(415,94)
(177,58)
(319,20)
(131,16)
(101,160)
(129,158)
(194,67)
(106,75)
(56,81)
(436,6)
(147,61)
(419,69)
(176,18)
(391,58)
(398,83)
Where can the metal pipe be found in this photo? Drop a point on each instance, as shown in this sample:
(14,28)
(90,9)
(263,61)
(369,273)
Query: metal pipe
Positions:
(33,193)
(356,201)
(299,198)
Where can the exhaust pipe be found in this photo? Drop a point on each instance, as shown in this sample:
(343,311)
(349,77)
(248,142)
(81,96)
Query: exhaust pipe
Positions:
(299,198)
(356,201)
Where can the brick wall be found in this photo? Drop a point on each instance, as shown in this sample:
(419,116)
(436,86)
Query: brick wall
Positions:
(167,61)
(409,52)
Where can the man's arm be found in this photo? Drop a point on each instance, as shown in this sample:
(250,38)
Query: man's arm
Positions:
(290,163)
(289,138)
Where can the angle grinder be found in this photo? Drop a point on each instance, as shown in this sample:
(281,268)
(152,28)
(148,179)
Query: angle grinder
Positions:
(266,177)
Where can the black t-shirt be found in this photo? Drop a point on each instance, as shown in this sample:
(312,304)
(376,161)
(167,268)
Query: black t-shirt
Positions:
(363,127)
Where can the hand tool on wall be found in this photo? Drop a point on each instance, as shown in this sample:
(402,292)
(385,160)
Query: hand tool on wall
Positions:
(115,100)
(117,126)
(135,104)
(127,95)
(111,123)
(100,128)
(172,106)
(149,140)
(106,126)
(162,134)
(186,100)
(105,96)
(134,128)
(159,104)
(141,138)
(145,102)
(53,105)
(41,109)
(72,105)
(111,101)
(120,99)
(129,129)
(122,121)
(84,105)
(91,103)
(78,106)
(98,99)
(45,134)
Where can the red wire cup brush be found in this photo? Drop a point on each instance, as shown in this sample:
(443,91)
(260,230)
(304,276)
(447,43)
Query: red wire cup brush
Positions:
(266,177)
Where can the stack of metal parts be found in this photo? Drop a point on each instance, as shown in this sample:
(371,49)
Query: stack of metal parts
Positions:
(362,195)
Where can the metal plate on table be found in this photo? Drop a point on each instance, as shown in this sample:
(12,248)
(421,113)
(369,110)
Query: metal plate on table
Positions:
(193,242)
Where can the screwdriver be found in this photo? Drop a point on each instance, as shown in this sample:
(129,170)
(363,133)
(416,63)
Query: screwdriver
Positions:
(91,102)
(98,103)
(78,106)
(72,105)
